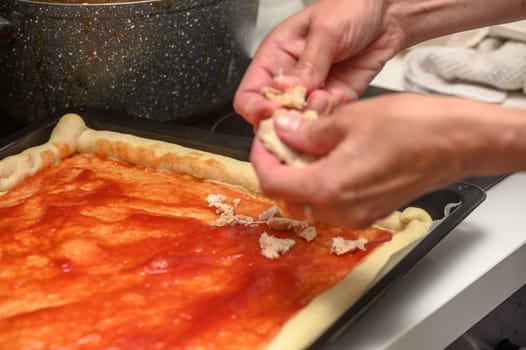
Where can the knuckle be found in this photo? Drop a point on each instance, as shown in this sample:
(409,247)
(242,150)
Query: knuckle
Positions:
(331,31)
(306,68)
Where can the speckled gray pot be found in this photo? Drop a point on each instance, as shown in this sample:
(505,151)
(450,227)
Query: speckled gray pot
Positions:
(161,59)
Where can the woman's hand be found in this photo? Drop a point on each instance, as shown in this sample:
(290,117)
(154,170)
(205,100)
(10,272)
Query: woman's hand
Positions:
(376,154)
(380,153)
(334,48)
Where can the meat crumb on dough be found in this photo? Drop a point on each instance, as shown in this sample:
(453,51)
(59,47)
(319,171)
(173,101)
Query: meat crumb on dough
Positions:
(231,220)
(286,224)
(227,216)
(309,233)
(220,203)
(273,217)
(272,247)
(273,211)
(340,246)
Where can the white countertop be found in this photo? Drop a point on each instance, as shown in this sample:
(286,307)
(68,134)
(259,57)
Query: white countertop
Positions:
(476,267)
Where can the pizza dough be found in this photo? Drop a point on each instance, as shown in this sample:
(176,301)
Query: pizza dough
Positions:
(71,136)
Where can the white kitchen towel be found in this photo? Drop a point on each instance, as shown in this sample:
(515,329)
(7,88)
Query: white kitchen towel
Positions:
(484,72)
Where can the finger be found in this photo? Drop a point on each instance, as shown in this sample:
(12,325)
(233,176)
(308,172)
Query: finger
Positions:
(342,214)
(254,107)
(312,67)
(278,180)
(310,136)
(313,214)
(305,211)
(263,160)
(324,102)
(248,101)
(320,101)
(298,188)
(353,76)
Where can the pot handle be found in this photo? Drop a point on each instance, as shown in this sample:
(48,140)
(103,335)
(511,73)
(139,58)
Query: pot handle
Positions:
(7,31)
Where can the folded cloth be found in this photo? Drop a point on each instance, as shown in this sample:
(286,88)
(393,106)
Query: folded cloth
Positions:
(483,72)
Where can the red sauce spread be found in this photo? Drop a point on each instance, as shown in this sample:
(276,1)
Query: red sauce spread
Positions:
(96,253)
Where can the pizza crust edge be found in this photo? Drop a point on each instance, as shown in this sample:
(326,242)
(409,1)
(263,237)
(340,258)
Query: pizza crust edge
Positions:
(61,144)
(71,135)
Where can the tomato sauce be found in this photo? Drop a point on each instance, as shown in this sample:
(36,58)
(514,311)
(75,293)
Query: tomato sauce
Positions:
(96,253)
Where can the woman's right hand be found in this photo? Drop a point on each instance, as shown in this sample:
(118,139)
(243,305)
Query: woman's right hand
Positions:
(334,48)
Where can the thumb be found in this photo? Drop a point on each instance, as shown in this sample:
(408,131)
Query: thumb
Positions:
(318,136)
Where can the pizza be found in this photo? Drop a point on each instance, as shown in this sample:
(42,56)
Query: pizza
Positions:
(112,241)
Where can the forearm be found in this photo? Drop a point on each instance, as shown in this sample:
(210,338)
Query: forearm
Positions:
(425,19)
(490,138)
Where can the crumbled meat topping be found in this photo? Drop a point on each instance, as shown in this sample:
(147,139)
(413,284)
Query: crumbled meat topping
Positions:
(273,217)
(273,211)
(308,114)
(272,247)
(308,233)
(293,97)
(342,246)
(286,224)
(220,203)
(234,219)
(227,216)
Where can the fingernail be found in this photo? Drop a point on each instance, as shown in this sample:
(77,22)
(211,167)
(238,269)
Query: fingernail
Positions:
(287,122)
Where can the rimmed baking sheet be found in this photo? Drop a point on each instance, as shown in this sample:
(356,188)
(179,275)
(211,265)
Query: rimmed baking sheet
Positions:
(447,206)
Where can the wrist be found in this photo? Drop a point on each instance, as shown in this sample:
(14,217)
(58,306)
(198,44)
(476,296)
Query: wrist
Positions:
(421,20)
(491,139)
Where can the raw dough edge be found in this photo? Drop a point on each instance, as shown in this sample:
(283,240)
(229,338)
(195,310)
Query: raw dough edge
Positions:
(71,135)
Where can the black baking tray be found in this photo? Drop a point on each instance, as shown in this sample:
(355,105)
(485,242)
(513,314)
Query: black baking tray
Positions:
(467,196)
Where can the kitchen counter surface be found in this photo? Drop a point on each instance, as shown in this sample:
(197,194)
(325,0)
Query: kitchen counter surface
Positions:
(475,268)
